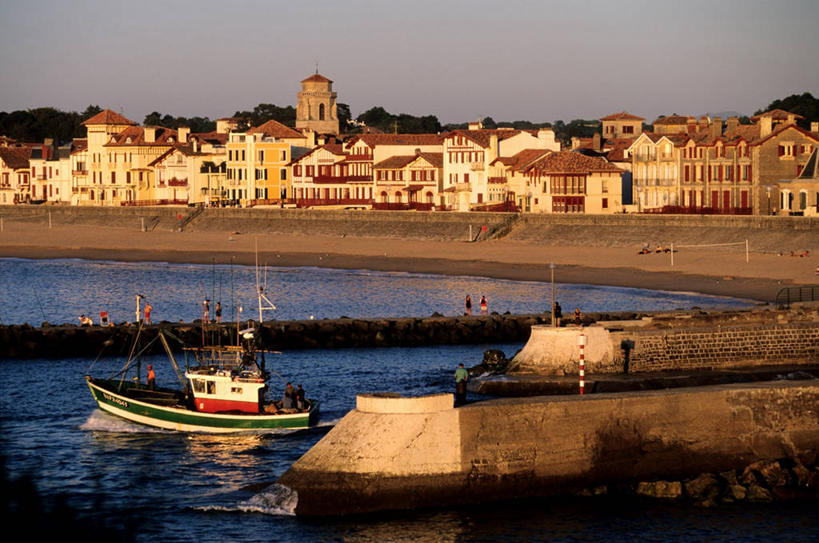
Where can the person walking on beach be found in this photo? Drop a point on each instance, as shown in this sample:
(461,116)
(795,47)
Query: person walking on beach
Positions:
(148,310)
(484,306)
(461,377)
(468,304)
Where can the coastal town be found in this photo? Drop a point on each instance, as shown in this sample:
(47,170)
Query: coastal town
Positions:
(678,164)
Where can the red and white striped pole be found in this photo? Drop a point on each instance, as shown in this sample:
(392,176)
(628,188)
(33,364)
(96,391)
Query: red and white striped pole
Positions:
(581,342)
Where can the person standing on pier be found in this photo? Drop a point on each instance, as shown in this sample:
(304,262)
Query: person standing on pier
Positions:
(206,313)
(148,309)
(218,311)
(461,377)
(468,305)
(484,306)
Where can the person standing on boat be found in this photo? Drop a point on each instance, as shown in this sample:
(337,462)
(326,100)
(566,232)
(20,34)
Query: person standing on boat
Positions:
(461,377)
(300,401)
(218,311)
(148,309)
(151,377)
(468,304)
(289,399)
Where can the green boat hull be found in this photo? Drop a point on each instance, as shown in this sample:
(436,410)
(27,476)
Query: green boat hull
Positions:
(119,399)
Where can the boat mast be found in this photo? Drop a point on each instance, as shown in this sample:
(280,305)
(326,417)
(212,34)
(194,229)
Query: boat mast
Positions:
(260,291)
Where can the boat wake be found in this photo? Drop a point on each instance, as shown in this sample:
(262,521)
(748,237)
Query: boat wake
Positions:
(276,499)
(100,421)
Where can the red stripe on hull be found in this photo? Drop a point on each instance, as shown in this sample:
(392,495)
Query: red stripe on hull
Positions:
(212,405)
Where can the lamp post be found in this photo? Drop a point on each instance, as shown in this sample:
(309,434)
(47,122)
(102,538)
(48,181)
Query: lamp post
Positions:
(552,268)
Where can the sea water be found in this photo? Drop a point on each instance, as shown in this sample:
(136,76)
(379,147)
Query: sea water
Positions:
(154,485)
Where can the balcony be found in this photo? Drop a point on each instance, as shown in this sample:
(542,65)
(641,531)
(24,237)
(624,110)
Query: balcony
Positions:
(477,166)
(79,173)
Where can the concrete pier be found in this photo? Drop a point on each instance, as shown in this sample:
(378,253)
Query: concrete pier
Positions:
(401,453)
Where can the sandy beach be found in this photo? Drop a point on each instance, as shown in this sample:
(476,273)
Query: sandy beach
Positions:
(719,271)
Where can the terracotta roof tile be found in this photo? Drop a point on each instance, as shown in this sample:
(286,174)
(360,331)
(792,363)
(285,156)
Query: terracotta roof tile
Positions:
(135,135)
(275,129)
(15,157)
(777,114)
(622,116)
(674,119)
(108,117)
(397,162)
(570,162)
(522,159)
(317,77)
(396,139)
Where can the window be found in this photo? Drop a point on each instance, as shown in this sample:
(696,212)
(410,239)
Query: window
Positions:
(283,174)
(605,203)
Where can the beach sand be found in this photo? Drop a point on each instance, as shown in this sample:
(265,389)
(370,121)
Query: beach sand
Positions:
(719,271)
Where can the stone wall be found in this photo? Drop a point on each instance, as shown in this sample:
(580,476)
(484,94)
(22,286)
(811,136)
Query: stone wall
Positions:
(680,342)
(743,346)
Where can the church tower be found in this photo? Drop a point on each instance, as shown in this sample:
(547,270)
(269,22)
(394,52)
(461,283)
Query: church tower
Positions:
(317,105)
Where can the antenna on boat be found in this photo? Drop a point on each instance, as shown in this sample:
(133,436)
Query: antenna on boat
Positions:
(260,291)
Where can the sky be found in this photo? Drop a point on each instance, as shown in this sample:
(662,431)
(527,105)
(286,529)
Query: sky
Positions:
(459,60)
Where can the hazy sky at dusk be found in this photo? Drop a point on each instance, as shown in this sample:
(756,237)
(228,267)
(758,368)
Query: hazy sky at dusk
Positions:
(533,60)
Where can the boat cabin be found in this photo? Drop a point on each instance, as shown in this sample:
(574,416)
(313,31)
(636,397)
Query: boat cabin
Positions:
(223,390)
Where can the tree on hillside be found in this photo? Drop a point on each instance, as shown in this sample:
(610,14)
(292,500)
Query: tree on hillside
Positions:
(35,125)
(265,112)
(378,117)
(196,124)
(802,104)
(90,111)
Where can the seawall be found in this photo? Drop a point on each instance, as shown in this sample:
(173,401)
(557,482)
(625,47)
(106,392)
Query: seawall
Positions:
(399,453)
(765,234)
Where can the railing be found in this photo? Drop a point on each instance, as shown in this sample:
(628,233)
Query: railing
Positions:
(404,206)
(682,210)
(163,202)
(508,207)
(789,295)
(174,182)
(315,202)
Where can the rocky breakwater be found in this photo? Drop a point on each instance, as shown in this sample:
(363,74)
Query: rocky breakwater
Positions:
(401,453)
(24,341)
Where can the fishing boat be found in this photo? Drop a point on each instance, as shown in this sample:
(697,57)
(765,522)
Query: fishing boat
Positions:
(224,391)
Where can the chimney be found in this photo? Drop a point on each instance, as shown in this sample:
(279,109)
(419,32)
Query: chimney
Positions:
(150,134)
(765,125)
(195,145)
(183,132)
(814,126)
(731,124)
(703,123)
(575,142)
(596,142)
(791,118)
(716,127)
(692,125)
(494,148)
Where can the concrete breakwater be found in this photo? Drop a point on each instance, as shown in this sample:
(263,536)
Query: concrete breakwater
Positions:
(401,453)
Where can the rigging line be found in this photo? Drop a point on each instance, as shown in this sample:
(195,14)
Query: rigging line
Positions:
(42,312)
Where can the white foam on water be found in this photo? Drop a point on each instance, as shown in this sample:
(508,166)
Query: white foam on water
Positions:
(278,500)
(100,421)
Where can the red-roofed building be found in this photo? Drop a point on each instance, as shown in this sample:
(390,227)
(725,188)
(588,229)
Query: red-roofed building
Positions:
(716,168)
(408,182)
(15,175)
(467,156)
(321,178)
(570,182)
